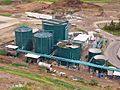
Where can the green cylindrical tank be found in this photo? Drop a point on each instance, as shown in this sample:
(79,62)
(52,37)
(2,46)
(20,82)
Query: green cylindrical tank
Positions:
(93,52)
(58,28)
(100,60)
(69,51)
(43,42)
(23,37)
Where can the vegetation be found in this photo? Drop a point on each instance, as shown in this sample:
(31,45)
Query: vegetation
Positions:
(56,83)
(97,1)
(3,52)
(113,28)
(19,65)
(93,82)
(20,88)
(6,2)
(6,14)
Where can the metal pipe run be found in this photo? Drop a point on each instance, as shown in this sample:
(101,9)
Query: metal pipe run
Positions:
(72,61)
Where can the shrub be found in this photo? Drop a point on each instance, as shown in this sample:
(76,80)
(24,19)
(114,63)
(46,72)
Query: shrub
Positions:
(93,82)
(7,2)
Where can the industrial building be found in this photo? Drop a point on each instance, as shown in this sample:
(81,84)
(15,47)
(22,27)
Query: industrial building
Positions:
(23,37)
(59,28)
(68,50)
(52,43)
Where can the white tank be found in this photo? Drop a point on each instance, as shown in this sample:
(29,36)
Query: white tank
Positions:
(45,65)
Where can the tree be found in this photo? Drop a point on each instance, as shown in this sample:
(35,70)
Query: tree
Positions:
(118,26)
(112,26)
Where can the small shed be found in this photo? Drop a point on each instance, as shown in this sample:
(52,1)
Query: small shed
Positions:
(32,57)
(82,38)
(11,50)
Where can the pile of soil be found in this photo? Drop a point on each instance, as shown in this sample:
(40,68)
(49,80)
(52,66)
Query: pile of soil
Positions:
(32,6)
(75,6)
(68,3)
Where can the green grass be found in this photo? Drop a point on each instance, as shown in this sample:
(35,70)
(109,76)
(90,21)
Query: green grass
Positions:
(47,0)
(97,1)
(6,14)
(117,33)
(19,65)
(6,2)
(2,52)
(46,80)
(20,88)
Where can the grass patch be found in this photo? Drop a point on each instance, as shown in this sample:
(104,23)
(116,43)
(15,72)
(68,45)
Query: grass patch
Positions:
(47,0)
(3,52)
(46,80)
(6,14)
(19,65)
(20,88)
(113,32)
(6,2)
(97,1)
(113,28)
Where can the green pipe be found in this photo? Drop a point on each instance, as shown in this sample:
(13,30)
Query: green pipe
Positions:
(72,61)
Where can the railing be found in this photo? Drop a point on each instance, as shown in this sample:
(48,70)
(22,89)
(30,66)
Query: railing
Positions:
(72,61)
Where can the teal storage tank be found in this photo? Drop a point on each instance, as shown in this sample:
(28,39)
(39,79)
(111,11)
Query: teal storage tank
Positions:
(100,60)
(43,42)
(93,52)
(59,28)
(69,51)
(23,37)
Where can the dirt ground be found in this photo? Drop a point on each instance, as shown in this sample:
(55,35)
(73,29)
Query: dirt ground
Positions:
(111,11)
(8,81)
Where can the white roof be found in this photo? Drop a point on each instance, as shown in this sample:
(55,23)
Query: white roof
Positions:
(116,73)
(11,46)
(37,15)
(82,37)
(71,33)
(109,72)
(32,55)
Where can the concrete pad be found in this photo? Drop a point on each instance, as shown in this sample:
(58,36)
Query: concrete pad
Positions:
(118,53)
(7,21)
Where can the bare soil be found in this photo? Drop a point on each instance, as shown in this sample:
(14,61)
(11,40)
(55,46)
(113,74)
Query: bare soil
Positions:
(7,34)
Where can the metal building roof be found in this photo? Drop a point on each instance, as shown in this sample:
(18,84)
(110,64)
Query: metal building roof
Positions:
(82,37)
(32,56)
(23,29)
(38,15)
(43,34)
(11,46)
(95,50)
(100,57)
(116,73)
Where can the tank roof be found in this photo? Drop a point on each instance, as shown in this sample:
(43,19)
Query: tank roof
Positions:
(95,50)
(100,57)
(56,21)
(63,44)
(23,29)
(43,34)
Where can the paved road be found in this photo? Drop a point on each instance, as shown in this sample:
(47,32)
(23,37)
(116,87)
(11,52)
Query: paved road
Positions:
(112,49)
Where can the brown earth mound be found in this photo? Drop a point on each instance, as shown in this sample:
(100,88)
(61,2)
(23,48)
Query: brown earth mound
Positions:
(75,5)
(32,6)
